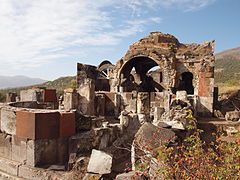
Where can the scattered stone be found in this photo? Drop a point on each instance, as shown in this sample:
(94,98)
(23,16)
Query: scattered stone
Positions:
(71,161)
(100,162)
(89,176)
(178,125)
(232,116)
(57,168)
(163,124)
(136,175)
(181,95)
(150,137)
(231,131)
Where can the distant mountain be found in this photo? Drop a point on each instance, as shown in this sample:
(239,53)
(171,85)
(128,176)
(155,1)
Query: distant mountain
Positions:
(18,81)
(227,68)
(233,53)
(59,84)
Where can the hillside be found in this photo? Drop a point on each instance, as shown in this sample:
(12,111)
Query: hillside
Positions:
(233,53)
(60,84)
(227,70)
(227,66)
(18,81)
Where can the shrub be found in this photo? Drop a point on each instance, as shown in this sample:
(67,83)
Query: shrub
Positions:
(194,159)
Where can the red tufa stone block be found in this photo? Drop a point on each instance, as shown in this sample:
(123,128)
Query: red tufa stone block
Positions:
(37,125)
(67,124)
(50,95)
(203,89)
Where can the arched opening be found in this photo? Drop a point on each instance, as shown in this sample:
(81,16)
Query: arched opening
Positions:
(185,82)
(135,75)
(102,82)
(104,68)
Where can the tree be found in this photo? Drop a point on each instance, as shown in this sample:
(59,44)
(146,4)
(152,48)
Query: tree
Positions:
(2,97)
(74,84)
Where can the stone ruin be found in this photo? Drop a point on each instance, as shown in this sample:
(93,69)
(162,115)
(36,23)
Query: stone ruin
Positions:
(133,86)
(150,88)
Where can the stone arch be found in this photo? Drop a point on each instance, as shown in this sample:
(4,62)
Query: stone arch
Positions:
(138,79)
(154,57)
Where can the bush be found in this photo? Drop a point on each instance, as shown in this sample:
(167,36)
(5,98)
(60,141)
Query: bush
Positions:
(194,159)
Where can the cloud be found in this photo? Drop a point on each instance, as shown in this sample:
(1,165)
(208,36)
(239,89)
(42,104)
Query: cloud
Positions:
(185,5)
(34,33)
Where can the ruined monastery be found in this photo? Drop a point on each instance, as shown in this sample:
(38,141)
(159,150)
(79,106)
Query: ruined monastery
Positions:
(43,136)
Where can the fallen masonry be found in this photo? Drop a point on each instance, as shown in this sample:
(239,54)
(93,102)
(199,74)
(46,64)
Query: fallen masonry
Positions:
(117,115)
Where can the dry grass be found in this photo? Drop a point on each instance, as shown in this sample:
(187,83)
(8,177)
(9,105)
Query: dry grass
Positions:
(225,88)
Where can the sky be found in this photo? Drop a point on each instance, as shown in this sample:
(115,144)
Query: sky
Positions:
(46,38)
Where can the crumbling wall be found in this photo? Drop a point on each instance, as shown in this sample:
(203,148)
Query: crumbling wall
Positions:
(188,67)
(86,77)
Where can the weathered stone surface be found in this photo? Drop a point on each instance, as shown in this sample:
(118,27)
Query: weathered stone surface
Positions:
(70,100)
(8,120)
(94,139)
(104,141)
(67,124)
(178,126)
(7,176)
(124,118)
(9,166)
(87,95)
(83,122)
(100,162)
(110,103)
(19,149)
(204,106)
(100,104)
(29,95)
(232,131)
(89,176)
(57,168)
(128,102)
(150,137)
(181,95)
(0,116)
(41,152)
(136,175)
(37,125)
(5,145)
(28,172)
(62,150)
(158,111)
(50,95)
(83,142)
(143,103)
(232,116)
